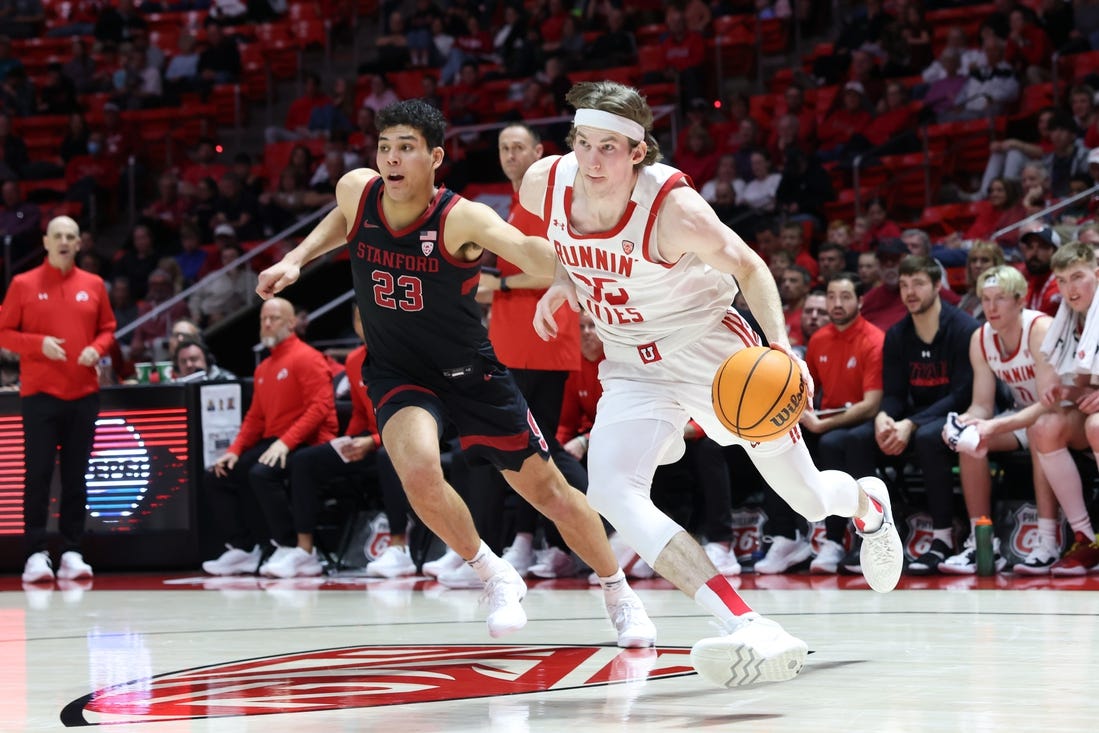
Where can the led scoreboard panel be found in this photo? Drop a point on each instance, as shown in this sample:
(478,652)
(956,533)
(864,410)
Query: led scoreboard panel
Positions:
(141,478)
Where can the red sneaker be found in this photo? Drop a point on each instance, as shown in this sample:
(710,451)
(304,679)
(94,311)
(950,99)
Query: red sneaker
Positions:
(1081,557)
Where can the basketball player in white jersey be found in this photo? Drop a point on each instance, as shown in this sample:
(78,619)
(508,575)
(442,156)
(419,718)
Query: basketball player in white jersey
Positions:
(641,251)
(1006,347)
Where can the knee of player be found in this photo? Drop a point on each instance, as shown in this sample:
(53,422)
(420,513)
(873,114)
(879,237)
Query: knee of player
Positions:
(422,478)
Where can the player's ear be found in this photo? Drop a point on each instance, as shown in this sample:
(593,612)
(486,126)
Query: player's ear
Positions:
(437,155)
(639,152)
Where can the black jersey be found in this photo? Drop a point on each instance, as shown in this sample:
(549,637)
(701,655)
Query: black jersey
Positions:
(420,315)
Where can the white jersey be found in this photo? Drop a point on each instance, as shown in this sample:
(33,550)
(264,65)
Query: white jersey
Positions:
(1016,370)
(644,308)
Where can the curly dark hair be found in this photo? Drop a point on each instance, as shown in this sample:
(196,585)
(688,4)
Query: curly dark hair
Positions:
(417,114)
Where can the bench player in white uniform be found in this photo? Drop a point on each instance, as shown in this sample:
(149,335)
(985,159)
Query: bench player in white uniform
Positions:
(642,252)
(1006,347)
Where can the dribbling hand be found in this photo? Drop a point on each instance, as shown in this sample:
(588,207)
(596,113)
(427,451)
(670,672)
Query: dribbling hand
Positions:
(276,278)
(806,377)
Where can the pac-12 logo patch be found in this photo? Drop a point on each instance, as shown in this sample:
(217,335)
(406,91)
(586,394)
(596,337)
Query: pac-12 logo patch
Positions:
(368,676)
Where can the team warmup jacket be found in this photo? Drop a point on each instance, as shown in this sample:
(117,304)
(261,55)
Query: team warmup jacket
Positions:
(292,399)
(71,306)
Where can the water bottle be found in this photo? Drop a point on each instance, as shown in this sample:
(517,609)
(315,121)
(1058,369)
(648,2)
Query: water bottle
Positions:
(986,564)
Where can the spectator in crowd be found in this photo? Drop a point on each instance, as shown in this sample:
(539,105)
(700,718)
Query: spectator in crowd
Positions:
(990,89)
(18,93)
(380,93)
(75,141)
(869,271)
(22,18)
(982,256)
(879,226)
(193,361)
(1037,246)
(181,75)
(122,302)
(725,173)
(151,340)
(831,259)
(941,93)
(20,220)
(925,375)
(204,164)
(968,57)
(13,151)
(792,239)
(297,116)
(59,343)
(616,46)
(848,116)
(1061,428)
(756,195)
(884,305)
(793,289)
(58,94)
(1068,158)
(684,56)
(219,62)
(292,407)
(237,208)
(80,69)
(1007,349)
(138,85)
(116,23)
(1003,207)
(804,189)
(1028,49)
(222,295)
(139,260)
(169,210)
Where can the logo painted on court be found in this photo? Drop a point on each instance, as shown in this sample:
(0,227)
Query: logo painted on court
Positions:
(368,676)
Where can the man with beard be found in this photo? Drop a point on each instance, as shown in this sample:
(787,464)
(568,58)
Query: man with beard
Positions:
(883,305)
(925,375)
(1037,247)
(292,406)
(844,358)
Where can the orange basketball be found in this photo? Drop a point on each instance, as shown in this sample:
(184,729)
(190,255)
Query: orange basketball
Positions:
(758,393)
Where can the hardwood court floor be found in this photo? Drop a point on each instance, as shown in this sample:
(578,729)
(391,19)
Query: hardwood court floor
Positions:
(173,654)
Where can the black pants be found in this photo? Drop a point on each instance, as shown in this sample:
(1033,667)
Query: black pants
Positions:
(485,490)
(312,468)
(239,518)
(50,423)
(927,450)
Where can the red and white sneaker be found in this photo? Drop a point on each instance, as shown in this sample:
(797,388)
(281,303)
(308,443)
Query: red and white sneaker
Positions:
(1081,558)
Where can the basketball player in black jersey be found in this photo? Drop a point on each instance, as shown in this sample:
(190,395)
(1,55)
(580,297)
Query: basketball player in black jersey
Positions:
(415,256)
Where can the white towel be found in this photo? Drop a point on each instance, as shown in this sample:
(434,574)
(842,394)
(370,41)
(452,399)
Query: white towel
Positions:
(1067,355)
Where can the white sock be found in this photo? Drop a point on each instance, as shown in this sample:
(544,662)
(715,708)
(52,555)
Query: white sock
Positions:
(973,527)
(1065,481)
(614,585)
(486,563)
(946,535)
(719,598)
(1047,533)
(523,542)
(871,521)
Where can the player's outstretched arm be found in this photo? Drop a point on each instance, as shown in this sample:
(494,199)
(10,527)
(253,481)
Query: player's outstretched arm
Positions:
(471,221)
(329,233)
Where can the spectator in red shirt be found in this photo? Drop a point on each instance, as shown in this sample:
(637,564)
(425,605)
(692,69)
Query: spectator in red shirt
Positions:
(58,319)
(297,117)
(1037,247)
(1028,48)
(292,406)
(1003,207)
(204,165)
(684,56)
(848,116)
(878,227)
(793,289)
(698,159)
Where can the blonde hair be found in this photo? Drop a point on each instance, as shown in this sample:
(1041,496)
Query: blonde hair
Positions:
(1006,278)
(620,100)
(1070,254)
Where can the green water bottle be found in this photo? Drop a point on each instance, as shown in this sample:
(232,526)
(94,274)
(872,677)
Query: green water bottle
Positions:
(986,563)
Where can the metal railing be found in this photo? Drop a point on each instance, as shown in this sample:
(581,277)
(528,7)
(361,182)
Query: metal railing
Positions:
(246,257)
(1063,203)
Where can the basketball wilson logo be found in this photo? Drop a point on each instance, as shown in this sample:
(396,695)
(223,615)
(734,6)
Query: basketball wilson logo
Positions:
(789,410)
(368,676)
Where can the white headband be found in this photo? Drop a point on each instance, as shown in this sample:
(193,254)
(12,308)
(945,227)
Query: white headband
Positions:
(609,121)
(991,281)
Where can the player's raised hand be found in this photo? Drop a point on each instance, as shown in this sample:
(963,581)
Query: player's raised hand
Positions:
(276,278)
